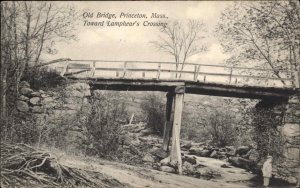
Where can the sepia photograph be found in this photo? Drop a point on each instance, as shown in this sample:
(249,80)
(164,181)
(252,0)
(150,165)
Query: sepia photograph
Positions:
(158,94)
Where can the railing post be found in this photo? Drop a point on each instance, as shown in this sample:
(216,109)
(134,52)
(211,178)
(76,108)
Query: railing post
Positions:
(197,69)
(124,69)
(158,71)
(65,70)
(297,77)
(93,68)
(117,73)
(143,74)
(230,75)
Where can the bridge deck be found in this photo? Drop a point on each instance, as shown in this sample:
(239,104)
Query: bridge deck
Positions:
(205,79)
(203,88)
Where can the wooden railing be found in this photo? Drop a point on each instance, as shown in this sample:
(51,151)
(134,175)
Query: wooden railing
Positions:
(190,72)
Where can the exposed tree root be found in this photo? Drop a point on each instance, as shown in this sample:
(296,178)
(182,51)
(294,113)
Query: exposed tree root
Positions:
(24,165)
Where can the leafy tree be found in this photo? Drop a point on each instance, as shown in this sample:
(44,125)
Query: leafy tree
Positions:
(29,29)
(263,34)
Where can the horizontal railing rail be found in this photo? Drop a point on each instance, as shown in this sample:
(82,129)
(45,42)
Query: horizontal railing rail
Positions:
(189,72)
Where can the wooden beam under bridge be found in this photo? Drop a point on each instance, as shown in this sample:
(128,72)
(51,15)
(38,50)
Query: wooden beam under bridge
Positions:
(175,153)
(169,120)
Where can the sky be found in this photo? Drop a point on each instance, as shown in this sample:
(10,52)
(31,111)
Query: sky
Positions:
(133,43)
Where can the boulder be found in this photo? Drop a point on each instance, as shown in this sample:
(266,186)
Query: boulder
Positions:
(242,163)
(165,161)
(160,153)
(231,153)
(35,101)
(242,150)
(26,91)
(186,145)
(204,153)
(195,150)
(22,106)
(167,169)
(148,158)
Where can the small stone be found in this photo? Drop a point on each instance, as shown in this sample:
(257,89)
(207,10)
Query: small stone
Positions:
(22,106)
(165,161)
(35,94)
(214,154)
(188,168)
(190,159)
(167,169)
(291,129)
(26,91)
(23,98)
(160,153)
(24,84)
(148,158)
(35,101)
(242,150)
(37,109)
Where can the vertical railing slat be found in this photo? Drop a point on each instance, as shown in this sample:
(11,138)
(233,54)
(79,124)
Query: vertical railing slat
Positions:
(230,75)
(124,69)
(158,71)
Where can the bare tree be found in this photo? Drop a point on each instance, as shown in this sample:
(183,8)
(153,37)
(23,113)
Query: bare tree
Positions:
(29,29)
(263,34)
(181,40)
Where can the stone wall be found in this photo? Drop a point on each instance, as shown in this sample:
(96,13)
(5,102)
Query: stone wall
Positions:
(290,168)
(55,109)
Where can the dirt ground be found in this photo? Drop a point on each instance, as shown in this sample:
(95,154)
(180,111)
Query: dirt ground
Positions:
(131,176)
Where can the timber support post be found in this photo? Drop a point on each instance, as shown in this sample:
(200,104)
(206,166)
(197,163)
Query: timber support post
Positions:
(169,120)
(175,155)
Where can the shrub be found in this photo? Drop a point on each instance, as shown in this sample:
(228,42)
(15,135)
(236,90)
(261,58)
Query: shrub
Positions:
(221,127)
(102,127)
(154,109)
(42,78)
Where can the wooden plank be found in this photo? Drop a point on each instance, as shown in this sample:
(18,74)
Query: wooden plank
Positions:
(168,123)
(175,155)
(202,64)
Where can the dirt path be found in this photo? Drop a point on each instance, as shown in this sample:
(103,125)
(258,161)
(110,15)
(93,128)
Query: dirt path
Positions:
(141,177)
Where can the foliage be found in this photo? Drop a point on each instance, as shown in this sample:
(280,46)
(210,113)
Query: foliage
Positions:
(262,33)
(102,128)
(28,31)
(221,127)
(154,109)
(266,133)
(43,78)
(181,41)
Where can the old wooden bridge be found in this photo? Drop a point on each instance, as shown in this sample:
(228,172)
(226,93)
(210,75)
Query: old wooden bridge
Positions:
(177,79)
